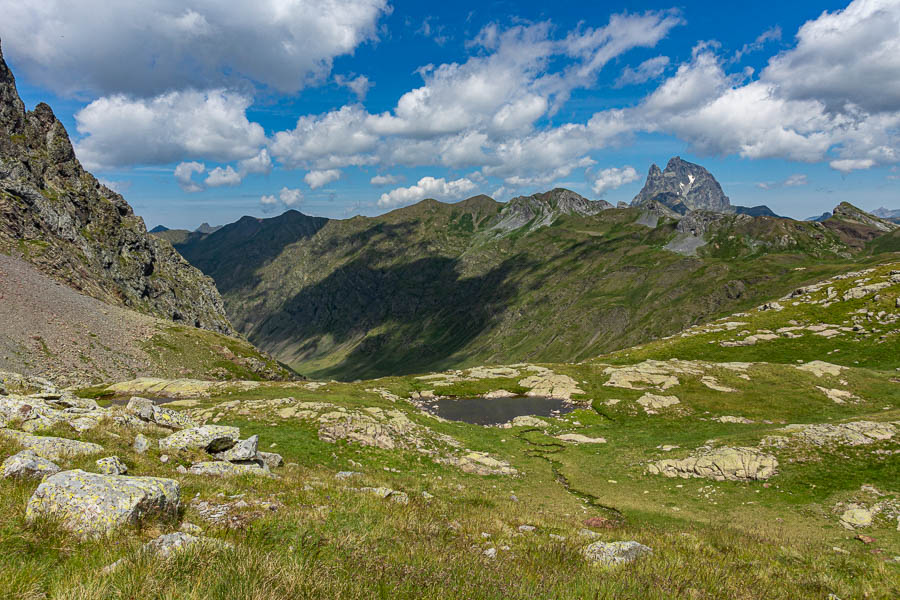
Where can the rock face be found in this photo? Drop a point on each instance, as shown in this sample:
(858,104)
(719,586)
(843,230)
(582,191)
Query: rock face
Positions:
(680,188)
(92,504)
(541,210)
(615,553)
(57,216)
(721,464)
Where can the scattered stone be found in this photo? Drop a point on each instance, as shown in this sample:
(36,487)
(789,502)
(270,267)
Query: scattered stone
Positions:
(141,443)
(526,528)
(854,518)
(243,450)
(615,553)
(190,528)
(52,448)
(222,468)
(146,410)
(713,384)
(385,492)
(271,459)
(169,544)
(27,464)
(820,368)
(527,421)
(652,402)
(865,539)
(212,438)
(480,463)
(499,394)
(347,474)
(577,438)
(490,552)
(650,373)
(838,396)
(721,464)
(732,419)
(111,466)
(91,504)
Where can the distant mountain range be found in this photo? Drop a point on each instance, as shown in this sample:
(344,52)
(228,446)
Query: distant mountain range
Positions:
(548,277)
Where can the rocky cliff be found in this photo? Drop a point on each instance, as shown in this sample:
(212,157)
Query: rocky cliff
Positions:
(57,216)
(682,187)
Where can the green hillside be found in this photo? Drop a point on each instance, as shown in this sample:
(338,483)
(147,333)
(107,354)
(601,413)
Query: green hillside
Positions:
(437,285)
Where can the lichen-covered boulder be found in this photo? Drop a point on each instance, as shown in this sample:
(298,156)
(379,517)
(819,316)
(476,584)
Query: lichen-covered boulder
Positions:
(615,553)
(243,450)
(577,438)
(212,438)
(271,459)
(51,448)
(721,464)
(111,465)
(92,504)
(28,464)
(165,417)
(223,468)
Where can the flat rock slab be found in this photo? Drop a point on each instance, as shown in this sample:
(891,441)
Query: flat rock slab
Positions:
(615,553)
(92,504)
(721,464)
(577,438)
(212,438)
(222,468)
(52,448)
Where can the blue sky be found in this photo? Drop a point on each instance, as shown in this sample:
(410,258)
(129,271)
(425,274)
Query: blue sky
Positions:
(206,111)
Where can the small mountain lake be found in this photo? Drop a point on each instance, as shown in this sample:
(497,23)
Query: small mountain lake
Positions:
(494,411)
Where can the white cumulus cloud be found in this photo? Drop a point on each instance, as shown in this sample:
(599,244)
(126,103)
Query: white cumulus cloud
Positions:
(427,187)
(614,177)
(219,177)
(176,126)
(288,197)
(316,179)
(150,47)
(184,173)
(386,179)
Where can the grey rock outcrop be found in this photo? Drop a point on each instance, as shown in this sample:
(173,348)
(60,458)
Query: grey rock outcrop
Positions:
(615,553)
(82,233)
(111,465)
(164,417)
(541,210)
(721,464)
(51,448)
(680,188)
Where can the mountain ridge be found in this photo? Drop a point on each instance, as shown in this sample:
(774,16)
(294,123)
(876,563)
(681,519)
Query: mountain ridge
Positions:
(58,217)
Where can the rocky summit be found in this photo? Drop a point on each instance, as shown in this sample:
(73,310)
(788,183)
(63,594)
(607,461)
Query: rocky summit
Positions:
(682,187)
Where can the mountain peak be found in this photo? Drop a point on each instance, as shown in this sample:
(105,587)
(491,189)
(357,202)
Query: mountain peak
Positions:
(681,187)
(12,109)
(849,213)
(541,210)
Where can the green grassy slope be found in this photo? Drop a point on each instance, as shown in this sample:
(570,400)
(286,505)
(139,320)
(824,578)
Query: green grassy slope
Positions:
(432,286)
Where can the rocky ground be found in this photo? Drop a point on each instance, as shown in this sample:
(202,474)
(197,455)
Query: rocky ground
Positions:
(689,469)
(53,331)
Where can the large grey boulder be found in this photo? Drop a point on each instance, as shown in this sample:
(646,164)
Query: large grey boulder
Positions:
(243,450)
(615,553)
(212,438)
(721,464)
(51,448)
(92,504)
(28,464)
